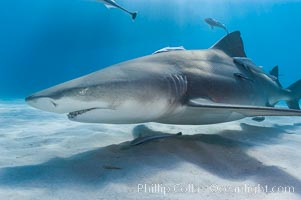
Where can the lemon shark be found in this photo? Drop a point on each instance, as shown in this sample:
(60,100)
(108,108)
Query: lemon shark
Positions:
(188,87)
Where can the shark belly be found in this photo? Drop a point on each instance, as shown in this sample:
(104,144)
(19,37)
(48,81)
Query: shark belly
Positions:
(196,116)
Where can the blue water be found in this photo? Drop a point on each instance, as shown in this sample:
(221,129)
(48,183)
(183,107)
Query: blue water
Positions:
(46,42)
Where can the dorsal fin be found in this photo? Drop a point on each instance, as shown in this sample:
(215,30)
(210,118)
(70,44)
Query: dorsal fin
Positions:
(231,44)
(275,71)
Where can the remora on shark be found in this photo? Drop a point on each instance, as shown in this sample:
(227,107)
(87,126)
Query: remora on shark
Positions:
(194,87)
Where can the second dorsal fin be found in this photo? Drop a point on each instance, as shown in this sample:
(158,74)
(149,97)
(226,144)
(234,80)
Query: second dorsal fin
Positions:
(275,71)
(231,44)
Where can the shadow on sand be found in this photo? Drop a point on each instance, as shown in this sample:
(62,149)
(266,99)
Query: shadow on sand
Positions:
(223,154)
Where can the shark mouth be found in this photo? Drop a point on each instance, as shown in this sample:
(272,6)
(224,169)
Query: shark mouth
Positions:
(74,114)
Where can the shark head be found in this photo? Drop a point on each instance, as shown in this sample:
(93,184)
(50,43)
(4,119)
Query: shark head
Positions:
(113,95)
(76,95)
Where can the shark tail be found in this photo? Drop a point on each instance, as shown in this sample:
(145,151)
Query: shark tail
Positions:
(295,95)
(134,15)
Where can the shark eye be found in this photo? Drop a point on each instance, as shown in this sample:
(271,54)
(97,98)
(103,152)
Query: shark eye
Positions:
(83,92)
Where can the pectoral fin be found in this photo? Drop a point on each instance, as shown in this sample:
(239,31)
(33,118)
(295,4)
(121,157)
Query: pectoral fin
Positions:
(245,110)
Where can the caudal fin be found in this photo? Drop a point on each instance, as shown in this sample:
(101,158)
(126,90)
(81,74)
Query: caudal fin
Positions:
(134,15)
(295,90)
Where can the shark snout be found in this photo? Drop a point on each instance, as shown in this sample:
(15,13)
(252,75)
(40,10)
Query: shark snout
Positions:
(55,102)
(42,103)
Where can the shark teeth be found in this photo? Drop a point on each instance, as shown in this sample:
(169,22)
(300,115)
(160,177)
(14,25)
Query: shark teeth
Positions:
(71,115)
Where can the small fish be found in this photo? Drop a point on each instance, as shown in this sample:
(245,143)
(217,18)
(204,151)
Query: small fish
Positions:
(214,23)
(258,119)
(242,76)
(167,49)
(113,4)
(111,167)
(248,64)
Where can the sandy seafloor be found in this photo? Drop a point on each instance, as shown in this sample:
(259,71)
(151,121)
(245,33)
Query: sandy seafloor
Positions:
(46,156)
